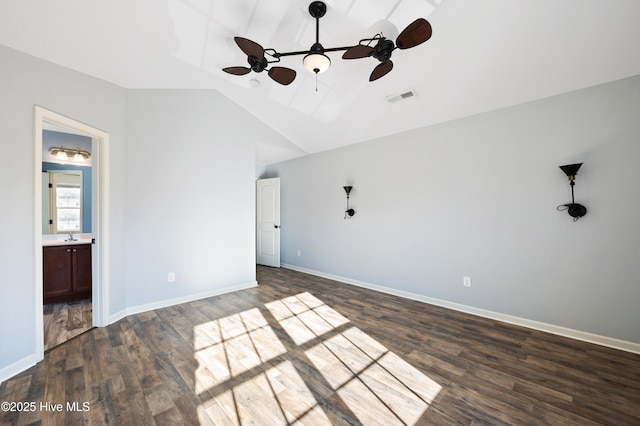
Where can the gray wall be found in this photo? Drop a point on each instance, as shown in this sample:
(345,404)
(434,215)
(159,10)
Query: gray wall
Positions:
(190,193)
(478,197)
(25,82)
(182,179)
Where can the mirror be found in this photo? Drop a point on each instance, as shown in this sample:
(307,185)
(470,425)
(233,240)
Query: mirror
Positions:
(66,185)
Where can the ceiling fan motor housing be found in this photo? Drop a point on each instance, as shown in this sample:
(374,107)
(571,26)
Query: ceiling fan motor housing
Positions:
(257,64)
(576,210)
(383,50)
(316,48)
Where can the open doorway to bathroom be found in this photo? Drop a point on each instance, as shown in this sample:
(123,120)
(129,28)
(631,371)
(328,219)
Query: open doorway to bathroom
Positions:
(66,233)
(71,224)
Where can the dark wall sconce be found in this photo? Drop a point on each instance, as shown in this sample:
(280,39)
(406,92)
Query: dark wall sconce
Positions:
(349,212)
(576,211)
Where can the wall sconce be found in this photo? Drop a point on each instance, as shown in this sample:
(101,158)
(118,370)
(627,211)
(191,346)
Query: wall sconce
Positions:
(576,211)
(63,153)
(349,212)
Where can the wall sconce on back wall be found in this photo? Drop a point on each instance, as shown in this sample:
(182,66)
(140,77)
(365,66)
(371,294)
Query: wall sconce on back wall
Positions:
(576,211)
(349,212)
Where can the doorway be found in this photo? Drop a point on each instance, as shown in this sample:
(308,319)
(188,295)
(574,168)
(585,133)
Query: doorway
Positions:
(268,222)
(43,119)
(66,212)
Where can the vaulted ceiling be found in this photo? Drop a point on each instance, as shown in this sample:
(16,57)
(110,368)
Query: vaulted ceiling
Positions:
(483,55)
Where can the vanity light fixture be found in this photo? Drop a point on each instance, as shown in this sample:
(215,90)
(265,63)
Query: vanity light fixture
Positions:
(63,153)
(78,157)
(576,211)
(349,212)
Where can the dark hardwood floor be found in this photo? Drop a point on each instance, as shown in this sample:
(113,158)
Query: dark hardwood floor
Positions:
(302,349)
(66,320)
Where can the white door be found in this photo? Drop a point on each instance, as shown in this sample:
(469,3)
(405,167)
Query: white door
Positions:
(268,222)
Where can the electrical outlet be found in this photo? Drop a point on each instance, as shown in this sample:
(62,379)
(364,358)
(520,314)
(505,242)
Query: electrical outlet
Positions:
(299,253)
(171,277)
(466,281)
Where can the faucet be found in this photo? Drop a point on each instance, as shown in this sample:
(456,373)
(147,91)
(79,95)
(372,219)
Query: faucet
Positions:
(71,237)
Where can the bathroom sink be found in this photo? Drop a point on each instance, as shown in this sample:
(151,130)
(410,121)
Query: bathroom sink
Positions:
(66,242)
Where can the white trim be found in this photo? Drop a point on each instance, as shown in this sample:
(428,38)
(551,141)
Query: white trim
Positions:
(37,226)
(118,316)
(18,367)
(523,322)
(100,219)
(132,310)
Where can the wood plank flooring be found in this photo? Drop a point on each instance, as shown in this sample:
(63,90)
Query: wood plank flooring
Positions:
(306,350)
(64,321)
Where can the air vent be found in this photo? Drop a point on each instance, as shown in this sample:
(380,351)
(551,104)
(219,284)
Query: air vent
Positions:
(401,97)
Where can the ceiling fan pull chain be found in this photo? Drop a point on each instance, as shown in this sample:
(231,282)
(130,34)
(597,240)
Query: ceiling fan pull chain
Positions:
(316,82)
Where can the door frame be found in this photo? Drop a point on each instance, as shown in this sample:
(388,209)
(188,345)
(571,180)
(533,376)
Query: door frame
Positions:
(99,218)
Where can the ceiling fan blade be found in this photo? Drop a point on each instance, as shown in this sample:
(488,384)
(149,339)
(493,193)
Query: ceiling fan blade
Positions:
(237,70)
(381,70)
(357,52)
(416,33)
(282,75)
(250,48)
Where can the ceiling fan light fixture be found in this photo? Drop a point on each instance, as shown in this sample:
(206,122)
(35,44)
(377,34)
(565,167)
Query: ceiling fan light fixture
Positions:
(316,61)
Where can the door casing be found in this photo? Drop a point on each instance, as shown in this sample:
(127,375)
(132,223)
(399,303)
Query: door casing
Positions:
(99,219)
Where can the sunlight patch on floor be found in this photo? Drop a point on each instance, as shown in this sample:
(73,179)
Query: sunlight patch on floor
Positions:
(374,382)
(305,317)
(232,345)
(245,370)
(284,399)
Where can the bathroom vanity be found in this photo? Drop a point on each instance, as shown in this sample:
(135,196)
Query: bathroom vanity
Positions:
(66,270)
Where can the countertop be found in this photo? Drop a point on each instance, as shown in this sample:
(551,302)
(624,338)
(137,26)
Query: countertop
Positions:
(63,239)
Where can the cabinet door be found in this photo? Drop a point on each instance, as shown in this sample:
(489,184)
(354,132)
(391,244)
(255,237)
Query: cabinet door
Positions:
(82,268)
(57,271)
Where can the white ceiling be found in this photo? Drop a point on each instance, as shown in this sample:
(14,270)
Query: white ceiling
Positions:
(484,55)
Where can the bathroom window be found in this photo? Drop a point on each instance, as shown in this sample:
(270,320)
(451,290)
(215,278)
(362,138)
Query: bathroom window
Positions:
(68,208)
(65,201)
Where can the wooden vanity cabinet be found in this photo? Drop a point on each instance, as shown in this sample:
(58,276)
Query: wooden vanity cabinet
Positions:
(67,273)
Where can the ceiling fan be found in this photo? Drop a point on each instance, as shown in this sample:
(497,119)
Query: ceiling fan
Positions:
(315,59)
(416,33)
(258,63)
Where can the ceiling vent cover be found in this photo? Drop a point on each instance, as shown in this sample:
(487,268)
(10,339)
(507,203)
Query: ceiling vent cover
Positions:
(401,96)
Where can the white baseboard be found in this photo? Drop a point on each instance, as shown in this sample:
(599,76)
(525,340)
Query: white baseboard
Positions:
(17,367)
(132,310)
(524,322)
(118,316)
